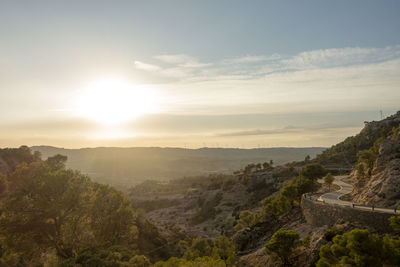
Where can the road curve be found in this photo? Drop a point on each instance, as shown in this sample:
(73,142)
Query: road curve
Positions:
(345,188)
(333,197)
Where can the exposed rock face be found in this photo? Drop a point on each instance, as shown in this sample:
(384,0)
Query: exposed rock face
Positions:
(383,187)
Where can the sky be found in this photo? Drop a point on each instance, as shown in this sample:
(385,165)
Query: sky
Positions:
(195,73)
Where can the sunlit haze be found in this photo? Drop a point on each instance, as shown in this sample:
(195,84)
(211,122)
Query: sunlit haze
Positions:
(113,101)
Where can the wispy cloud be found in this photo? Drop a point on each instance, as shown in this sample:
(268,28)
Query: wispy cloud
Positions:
(146,66)
(336,57)
(253,59)
(182,60)
(186,67)
(350,78)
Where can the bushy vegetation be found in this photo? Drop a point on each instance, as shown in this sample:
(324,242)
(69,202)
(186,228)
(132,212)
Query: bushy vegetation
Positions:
(366,159)
(246,219)
(288,197)
(346,152)
(395,133)
(290,194)
(206,209)
(205,252)
(10,158)
(360,248)
(328,180)
(395,223)
(205,261)
(150,205)
(282,245)
(50,210)
(250,169)
(183,185)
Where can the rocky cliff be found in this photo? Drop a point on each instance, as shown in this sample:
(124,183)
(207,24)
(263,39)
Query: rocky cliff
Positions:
(382,186)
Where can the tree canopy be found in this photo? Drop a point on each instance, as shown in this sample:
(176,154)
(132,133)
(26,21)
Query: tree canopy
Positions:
(282,245)
(360,248)
(313,171)
(49,208)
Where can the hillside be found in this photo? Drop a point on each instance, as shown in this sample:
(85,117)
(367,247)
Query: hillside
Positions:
(376,176)
(124,167)
(344,154)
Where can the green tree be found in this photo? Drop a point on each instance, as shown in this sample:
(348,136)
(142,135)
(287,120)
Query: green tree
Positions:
(53,205)
(360,171)
(112,219)
(3,186)
(139,261)
(266,166)
(360,248)
(58,209)
(283,244)
(305,185)
(205,261)
(200,247)
(246,219)
(395,223)
(258,166)
(224,249)
(57,162)
(290,191)
(220,249)
(313,171)
(328,180)
(273,207)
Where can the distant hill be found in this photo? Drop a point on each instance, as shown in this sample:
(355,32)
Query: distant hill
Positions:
(124,167)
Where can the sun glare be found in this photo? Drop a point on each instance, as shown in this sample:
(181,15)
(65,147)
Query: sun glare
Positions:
(114,101)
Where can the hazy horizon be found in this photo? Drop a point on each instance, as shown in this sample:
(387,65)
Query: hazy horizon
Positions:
(169,147)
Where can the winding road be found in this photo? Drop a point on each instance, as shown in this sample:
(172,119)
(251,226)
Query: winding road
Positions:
(345,188)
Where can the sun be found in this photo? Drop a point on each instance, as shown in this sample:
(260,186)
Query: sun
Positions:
(114,101)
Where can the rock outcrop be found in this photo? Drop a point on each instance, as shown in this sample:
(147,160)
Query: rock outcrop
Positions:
(383,187)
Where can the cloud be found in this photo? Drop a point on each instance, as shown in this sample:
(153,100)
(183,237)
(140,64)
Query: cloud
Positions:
(188,68)
(253,59)
(351,78)
(182,60)
(328,58)
(145,66)
(175,58)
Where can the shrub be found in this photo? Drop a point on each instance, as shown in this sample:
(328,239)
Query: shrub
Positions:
(282,245)
(360,248)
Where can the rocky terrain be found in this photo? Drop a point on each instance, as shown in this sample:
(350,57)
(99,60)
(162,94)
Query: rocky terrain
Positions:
(382,188)
(208,206)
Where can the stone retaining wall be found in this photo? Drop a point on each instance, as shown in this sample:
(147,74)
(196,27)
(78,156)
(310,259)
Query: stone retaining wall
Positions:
(319,214)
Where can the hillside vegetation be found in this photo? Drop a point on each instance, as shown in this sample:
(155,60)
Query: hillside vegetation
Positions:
(345,154)
(58,216)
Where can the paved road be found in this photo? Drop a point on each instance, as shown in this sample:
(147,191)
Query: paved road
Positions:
(345,188)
